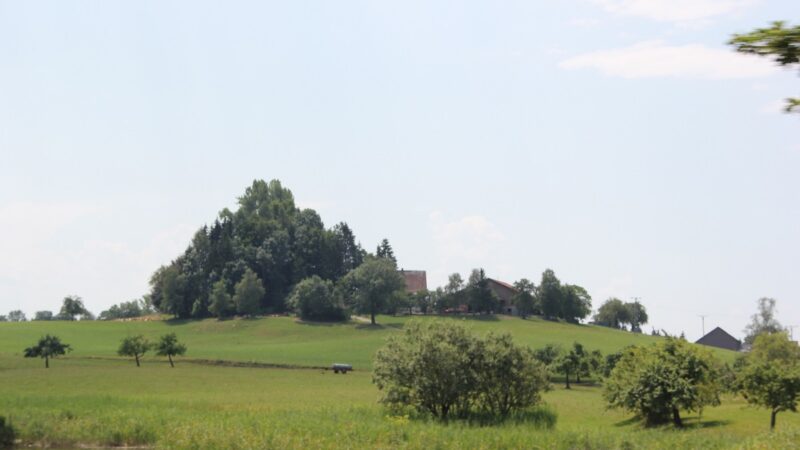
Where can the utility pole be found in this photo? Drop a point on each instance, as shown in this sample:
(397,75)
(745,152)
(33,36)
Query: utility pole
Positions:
(791,331)
(703,319)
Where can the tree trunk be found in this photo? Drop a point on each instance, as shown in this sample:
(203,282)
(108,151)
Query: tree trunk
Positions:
(372,316)
(568,380)
(137,360)
(676,417)
(170,361)
(772,420)
(46,362)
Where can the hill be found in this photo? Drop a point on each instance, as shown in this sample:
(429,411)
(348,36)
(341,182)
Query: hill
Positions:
(284,340)
(92,398)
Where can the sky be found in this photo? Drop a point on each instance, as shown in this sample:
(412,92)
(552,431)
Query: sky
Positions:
(620,143)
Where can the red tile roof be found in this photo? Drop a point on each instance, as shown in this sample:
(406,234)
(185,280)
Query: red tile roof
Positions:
(416,280)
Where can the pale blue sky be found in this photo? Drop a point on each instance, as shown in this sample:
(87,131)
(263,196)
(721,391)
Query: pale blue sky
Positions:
(619,142)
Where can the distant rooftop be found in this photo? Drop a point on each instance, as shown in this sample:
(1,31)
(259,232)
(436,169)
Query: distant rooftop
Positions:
(416,280)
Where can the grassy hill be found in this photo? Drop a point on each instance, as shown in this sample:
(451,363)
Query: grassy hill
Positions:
(283,340)
(93,398)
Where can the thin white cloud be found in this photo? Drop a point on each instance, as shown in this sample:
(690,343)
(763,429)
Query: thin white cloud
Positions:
(463,244)
(653,59)
(675,10)
(583,22)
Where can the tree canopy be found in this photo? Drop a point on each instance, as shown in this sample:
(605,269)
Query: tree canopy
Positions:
(72,307)
(769,376)
(615,313)
(763,322)
(267,235)
(135,346)
(317,299)
(441,369)
(779,42)
(660,380)
(370,287)
(47,347)
(169,346)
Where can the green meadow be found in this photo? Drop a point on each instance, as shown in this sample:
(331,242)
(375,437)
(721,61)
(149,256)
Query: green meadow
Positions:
(94,398)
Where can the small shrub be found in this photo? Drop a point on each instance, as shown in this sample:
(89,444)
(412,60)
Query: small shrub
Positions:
(7,433)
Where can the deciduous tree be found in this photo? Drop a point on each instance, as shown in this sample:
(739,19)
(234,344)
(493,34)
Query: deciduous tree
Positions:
(372,284)
(576,303)
(135,346)
(549,295)
(169,346)
(524,299)
(72,307)
(763,322)
(16,316)
(221,302)
(317,299)
(769,376)
(47,347)
(249,293)
(660,380)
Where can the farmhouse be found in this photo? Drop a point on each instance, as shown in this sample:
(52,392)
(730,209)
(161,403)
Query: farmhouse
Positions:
(504,292)
(721,339)
(416,280)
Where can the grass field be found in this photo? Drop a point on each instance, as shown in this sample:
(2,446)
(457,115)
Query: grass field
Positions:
(83,401)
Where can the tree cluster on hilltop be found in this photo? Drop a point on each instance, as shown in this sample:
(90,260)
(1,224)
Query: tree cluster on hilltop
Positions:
(615,313)
(551,299)
(268,242)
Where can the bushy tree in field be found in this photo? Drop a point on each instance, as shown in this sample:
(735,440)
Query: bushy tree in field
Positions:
(769,376)
(549,295)
(441,369)
(72,307)
(576,362)
(3,318)
(547,355)
(16,316)
(509,376)
(659,381)
(135,346)
(43,315)
(480,297)
(637,315)
(249,292)
(317,299)
(370,287)
(525,298)
(430,367)
(169,346)
(47,347)
(221,301)
(612,314)
(763,322)
(576,303)
(128,310)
